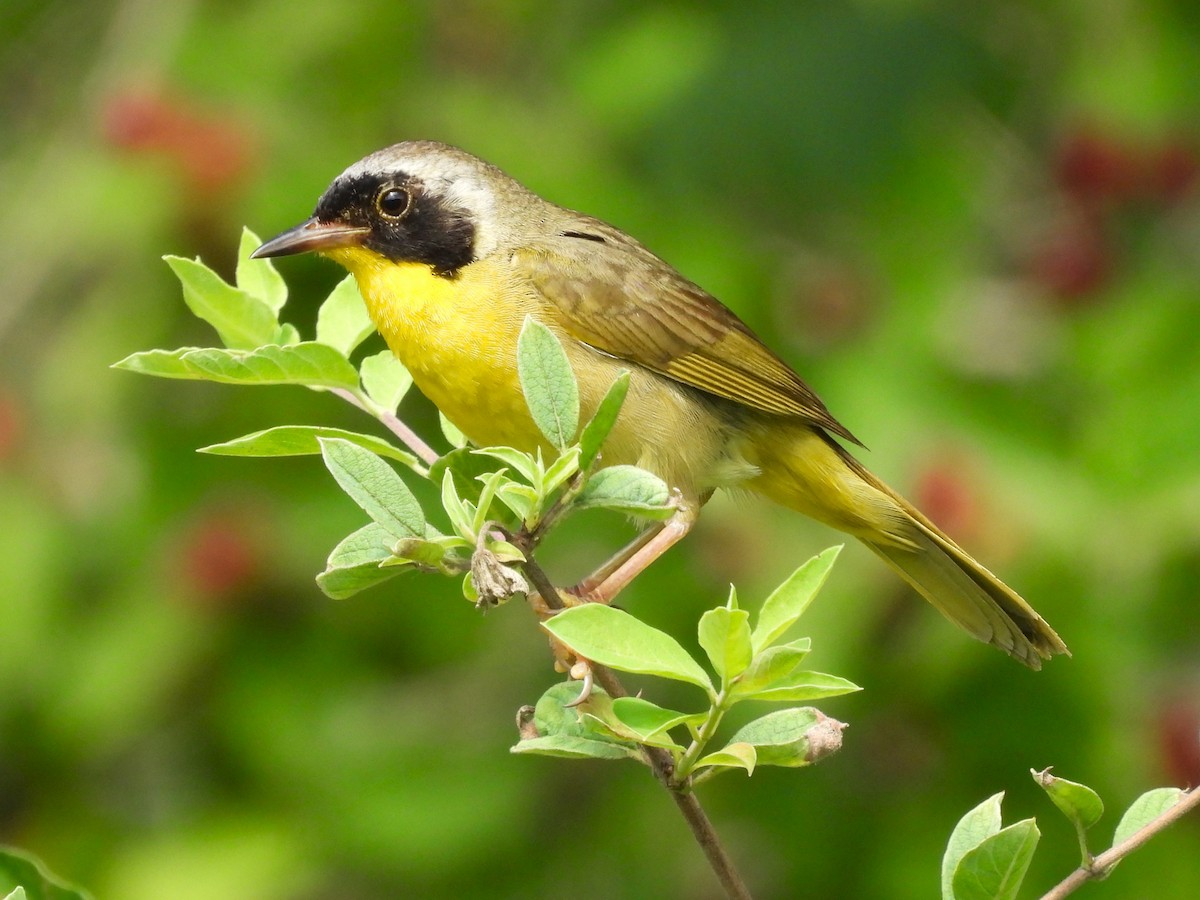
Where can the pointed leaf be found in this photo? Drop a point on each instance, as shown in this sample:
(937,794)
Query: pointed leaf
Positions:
(242,321)
(518,460)
(804,685)
(972,829)
(548,383)
(770,667)
(570,747)
(646,719)
(354,564)
(301,440)
(627,489)
(788,601)
(561,731)
(385,379)
(309,364)
(342,320)
(1078,802)
(995,868)
(1144,810)
(596,432)
(461,518)
(160,363)
(725,637)
(374,485)
(258,277)
(16,894)
(457,439)
(614,638)
(736,755)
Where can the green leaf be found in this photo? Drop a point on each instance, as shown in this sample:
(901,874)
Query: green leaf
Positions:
(342,320)
(17,894)
(354,564)
(309,364)
(735,755)
(374,485)
(972,829)
(725,637)
(614,638)
(258,277)
(457,439)
(561,470)
(385,379)
(242,321)
(1144,810)
(596,432)
(301,440)
(461,518)
(804,685)
(789,601)
(995,868)
(646,719)
(19,869)
(517,460)
(1079,803)
(791,737)
(562,731)
(548,383)
(771,666)
(627,489)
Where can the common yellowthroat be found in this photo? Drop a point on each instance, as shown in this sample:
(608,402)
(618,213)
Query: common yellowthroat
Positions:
(451,255)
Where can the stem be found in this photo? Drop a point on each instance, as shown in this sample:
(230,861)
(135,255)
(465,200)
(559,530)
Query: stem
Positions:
(720,706)
(1103,863)
(407,436)
(663,767)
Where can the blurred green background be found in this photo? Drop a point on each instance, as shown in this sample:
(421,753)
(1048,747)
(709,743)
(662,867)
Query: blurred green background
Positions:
(974,228)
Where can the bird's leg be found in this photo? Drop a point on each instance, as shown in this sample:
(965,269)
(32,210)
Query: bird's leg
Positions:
(611,578)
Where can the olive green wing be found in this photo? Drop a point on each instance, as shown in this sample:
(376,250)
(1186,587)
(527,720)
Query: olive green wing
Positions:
(612,294)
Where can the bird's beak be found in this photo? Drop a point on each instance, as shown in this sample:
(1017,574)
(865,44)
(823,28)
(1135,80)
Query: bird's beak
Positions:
(312,236)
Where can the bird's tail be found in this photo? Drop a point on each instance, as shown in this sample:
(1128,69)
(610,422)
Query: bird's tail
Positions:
(828,484)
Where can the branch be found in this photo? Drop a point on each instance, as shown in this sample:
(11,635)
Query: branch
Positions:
(407,436)
(1103,863)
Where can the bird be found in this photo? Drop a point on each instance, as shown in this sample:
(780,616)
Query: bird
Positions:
(451,256)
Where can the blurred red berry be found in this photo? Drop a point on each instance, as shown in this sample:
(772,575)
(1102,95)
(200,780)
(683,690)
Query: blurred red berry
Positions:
(1179,740)
(945,495)
(1072,262)
(213,153)
(1091,166)
(220,556)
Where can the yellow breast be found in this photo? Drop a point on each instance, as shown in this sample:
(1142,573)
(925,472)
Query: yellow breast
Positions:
(458,338)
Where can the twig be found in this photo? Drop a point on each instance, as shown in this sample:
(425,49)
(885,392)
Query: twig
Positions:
(1103,863)
(407,436)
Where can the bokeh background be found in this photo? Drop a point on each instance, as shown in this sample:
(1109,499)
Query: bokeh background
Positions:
(974,228)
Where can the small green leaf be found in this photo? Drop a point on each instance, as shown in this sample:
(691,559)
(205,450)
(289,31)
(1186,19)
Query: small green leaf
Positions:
(788,601)
(791,737)
(972,829)
(596,432)
(1079,803)
(160,363)
(561,470)
(342,320)
(771,666)
(519,498)
(17,894)
(803,685)
(258,277)
(354,564)
(457,439)
(548,383)
(301,440)
(19,869)
(646,719)
(614,638)
(561,731)
(995,868)
(1144,810)
(385,379)
(725,637)
(374,485)
(518,460)
(242,321)
(627,489)
(461,518)
(421,551)
(735,755)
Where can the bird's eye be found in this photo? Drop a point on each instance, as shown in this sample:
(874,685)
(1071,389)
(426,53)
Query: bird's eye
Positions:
(393,202)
